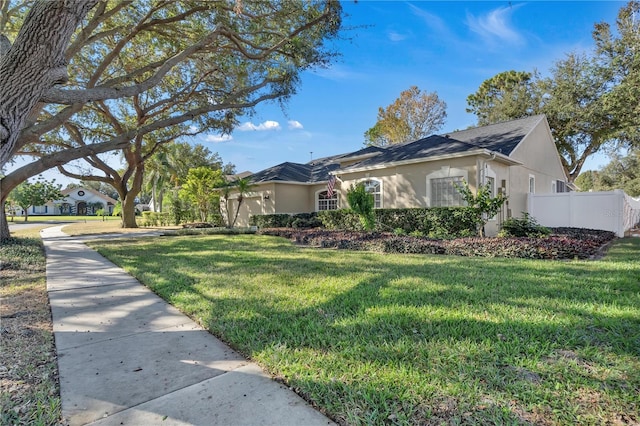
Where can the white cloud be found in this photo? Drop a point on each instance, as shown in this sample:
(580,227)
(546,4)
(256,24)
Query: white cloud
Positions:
(218,138)
(338,73)
(434,22)
(395,36)
(295,125)
(267,125)
(496,25)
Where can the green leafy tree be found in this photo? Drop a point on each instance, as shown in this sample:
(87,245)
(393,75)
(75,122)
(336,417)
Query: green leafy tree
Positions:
(362,202)
(587,181)
(147,73)
(169,166)
(199,189)
(414,115)
(505,96)
(483,204)
(591,100)
(619,58)
(37,193)
(622,172)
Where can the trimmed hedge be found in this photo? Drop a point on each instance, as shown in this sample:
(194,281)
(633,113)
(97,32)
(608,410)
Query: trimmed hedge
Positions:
(150,218)
(283,220)
(435,222)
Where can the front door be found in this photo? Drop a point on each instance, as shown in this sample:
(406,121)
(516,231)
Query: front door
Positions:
(82,209)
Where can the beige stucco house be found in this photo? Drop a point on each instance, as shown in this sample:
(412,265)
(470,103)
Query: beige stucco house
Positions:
(516,157)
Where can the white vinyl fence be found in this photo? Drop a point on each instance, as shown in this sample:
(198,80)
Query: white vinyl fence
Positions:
(611,211)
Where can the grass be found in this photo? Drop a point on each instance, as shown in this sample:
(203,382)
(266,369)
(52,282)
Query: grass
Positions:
(28,370)
(412,339)
(65,218)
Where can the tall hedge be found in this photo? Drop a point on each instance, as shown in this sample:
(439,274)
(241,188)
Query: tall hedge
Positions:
(284,220)
(436,222)
(439,222)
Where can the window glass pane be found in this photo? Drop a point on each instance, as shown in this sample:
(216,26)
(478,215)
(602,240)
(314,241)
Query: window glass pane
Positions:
(492,186)
(373,187)
(327,203)
(444,192)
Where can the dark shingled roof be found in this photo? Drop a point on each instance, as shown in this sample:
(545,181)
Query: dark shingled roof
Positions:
(313,172)
(428,147)
(499,137)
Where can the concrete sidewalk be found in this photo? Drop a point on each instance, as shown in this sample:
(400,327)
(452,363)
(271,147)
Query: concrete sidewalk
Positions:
(126,357)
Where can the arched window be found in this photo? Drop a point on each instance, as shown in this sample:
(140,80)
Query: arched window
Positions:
(327,203)
(373,187)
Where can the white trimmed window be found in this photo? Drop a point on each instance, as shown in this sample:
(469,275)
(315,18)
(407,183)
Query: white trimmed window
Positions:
(327,203)
(561,186)
(441,187)
(532,184)
(492,185)
(444,192)
(374,187)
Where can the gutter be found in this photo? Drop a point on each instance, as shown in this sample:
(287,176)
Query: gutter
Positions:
(485,152)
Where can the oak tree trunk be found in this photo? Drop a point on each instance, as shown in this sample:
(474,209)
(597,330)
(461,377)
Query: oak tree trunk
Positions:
(129,211)
(34,63)
(4,225)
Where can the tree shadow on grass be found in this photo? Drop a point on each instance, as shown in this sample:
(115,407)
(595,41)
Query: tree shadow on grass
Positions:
(501,329)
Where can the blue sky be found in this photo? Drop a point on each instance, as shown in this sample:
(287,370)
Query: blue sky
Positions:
(447,47)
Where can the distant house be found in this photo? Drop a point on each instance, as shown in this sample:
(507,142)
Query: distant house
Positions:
(76,202)
(516,157)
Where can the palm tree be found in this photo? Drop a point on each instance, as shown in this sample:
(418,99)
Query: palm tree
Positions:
(159,173)
(225,192)
(243,186)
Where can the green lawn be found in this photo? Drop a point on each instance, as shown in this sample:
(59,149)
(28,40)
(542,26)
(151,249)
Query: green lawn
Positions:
(64,218)
(411,339)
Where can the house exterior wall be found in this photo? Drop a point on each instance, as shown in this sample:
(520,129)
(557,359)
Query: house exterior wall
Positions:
(405,186)
(535,160)
(540,159)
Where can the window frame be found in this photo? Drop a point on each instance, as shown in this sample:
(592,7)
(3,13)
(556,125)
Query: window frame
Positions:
(532,188)
(327,200)
(444,172)
(377,196)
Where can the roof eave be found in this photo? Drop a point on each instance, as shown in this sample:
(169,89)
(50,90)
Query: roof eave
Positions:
(503,158)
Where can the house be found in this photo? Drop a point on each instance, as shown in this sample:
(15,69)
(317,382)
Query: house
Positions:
(516,157)
(76,202)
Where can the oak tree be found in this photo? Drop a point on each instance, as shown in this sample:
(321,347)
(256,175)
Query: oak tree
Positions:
(147,73)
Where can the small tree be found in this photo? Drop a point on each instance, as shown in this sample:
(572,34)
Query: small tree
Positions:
(35,194)
(362,202)
(199,189)
(482,204)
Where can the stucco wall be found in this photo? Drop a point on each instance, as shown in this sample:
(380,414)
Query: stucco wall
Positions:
(540,159)
(405,186)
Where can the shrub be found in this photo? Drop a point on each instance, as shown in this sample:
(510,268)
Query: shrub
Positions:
(342,219)
(574,243)
(527,226)
(362,202)
(155,218)
(283,220)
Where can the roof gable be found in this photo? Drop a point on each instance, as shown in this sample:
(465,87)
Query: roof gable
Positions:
(500,137)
